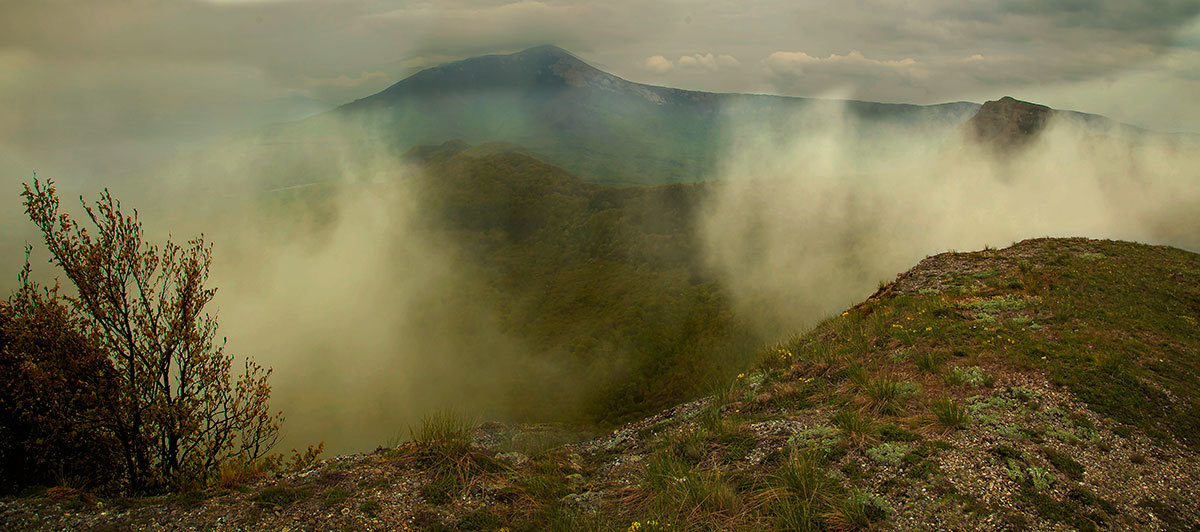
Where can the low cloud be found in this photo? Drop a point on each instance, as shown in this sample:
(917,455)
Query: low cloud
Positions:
(658,64)
(853,63)
(853,74)
(808,220)
(696,62)
(708,61)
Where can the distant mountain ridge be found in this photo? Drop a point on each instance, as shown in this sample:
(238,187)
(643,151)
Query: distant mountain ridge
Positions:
(605,129)
(600,126)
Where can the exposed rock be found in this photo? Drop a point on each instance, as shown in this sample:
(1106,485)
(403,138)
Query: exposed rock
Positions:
(1008,122)
(514,458)
(491,435)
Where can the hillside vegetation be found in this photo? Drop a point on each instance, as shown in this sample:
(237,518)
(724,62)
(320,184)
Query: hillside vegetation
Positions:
(608,283)
(1048,386)
(609,277)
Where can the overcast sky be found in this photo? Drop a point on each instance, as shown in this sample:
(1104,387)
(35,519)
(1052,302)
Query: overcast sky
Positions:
(99,84)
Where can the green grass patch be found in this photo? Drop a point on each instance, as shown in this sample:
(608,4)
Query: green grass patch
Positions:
(1063,462)
(854,427)
(1004,303)
(951,414)
(888,453)
(892,432)
(973,376)
(334,497)
(481,519)
(280,496)
(440,490)
(929,361)
(674,488)
(821,438)
(370,507)
(736,445)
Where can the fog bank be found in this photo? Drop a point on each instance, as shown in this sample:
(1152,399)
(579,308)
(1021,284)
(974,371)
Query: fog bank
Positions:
(809,220)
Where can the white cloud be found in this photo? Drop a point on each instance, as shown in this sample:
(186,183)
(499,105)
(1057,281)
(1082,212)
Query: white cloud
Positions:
(853,75)
(658,64)
(708,61)
(797,62)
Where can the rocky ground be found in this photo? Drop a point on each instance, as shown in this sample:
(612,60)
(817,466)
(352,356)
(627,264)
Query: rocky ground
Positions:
(976,392)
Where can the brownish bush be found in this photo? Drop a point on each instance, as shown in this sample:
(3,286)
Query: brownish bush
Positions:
(165,397)
(55,395)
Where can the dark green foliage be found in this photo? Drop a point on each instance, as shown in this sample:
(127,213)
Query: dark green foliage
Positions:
(607,282)
(860,509)
(1005,452)
(1082,422)
(481,519)
(562,518)
(798,515)
(1170,514)
(918,461)
(334,497)
(854,471)
(884,394)
(280,496)
(892,432)
(188,499)
(440,490)
(1063,462)
(1069,511)
(370,507)
(547,479)
(736,445)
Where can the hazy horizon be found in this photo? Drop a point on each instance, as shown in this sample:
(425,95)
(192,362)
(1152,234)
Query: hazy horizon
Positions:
(92,88)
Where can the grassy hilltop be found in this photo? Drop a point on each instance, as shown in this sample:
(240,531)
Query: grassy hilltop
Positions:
(1051,385)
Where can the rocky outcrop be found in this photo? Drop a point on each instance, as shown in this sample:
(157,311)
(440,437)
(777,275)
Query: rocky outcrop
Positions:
(1008,122)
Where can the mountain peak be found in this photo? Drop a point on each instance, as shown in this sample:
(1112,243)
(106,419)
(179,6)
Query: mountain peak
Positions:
(1008,122)
(547,50)
(536,68)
